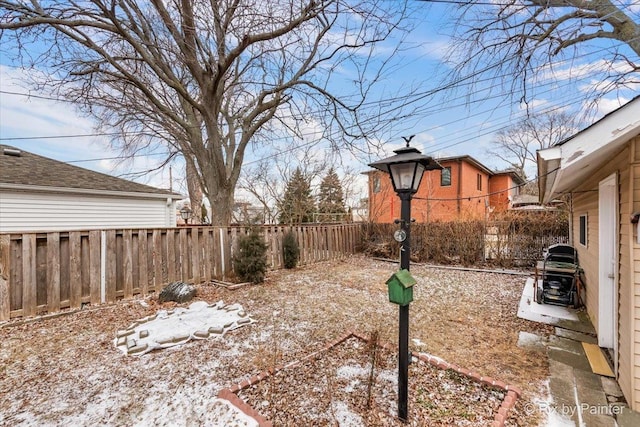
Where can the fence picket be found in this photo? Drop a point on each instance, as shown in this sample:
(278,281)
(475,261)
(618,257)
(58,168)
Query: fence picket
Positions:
(143,272)
(127,249)
(184,258)
(157,260)
(195,255)
(53,272)
(205,243)
(5,283)
(94,267)
(111,266)
(135,261)
(29,296)
(75,269)
(172,263)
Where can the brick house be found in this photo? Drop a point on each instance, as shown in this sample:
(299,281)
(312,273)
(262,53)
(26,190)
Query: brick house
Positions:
(463,189)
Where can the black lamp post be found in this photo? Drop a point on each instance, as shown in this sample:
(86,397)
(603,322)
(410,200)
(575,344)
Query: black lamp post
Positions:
(406,168)
(185,213)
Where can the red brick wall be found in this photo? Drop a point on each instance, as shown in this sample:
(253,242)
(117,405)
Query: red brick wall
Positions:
(433,202)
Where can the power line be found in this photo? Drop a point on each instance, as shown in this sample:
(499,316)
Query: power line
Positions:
(484,196)
(439,110)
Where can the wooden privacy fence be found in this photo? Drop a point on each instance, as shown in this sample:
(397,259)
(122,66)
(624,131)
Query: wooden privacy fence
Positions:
(47,272)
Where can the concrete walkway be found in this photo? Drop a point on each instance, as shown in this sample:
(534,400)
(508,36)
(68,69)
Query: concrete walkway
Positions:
(580,397)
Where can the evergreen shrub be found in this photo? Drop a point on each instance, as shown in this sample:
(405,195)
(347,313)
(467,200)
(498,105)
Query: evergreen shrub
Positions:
(250,261)
(290,249)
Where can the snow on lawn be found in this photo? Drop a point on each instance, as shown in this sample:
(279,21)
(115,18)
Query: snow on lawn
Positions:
(170,328)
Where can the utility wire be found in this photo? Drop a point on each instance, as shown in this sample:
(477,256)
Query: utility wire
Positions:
(484,196)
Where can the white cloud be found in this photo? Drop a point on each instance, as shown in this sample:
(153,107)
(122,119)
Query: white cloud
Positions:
(24,117)
(607,105)
(569,70)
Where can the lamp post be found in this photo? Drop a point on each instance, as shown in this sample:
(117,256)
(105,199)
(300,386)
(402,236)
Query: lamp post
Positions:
(185,213)
(406,168)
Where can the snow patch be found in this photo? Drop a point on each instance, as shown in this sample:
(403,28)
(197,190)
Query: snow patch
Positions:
(171,328)
(345,417)
(541,313)
(531,341)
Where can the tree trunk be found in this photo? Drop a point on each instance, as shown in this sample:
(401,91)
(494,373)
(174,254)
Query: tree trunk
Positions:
(195,193)
(221,200)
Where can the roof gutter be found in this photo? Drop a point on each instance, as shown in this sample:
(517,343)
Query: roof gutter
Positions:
(87,191)
(549,161)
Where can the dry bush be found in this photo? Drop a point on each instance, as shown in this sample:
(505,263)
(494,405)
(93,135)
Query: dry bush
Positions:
(520,238)
(524,235)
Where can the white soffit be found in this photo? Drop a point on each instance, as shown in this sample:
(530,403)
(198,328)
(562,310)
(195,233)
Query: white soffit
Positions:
(564,167)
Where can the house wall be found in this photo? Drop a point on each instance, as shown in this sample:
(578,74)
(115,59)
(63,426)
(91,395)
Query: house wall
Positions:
(585,201)
(500,190)
(24,211)
(433,202)
(630,325)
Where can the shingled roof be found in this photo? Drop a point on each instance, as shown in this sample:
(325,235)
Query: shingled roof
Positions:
(22,168)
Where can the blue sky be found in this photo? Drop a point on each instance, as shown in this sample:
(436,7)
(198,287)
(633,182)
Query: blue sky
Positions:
(448,123)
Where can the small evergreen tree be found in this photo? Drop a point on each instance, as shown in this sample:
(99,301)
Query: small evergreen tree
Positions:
(250,262)
(290,249)
(297,205)
(331,198)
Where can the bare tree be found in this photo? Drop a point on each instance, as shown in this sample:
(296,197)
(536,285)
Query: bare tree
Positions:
(530,39)
(518,143)
(266,180)
(208,78)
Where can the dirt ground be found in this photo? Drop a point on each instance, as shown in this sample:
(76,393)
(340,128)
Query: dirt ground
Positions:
(66,370)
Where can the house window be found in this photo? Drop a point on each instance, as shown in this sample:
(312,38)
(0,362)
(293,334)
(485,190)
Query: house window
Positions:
(376,184)
(445,177)
(479,182)
(583,230)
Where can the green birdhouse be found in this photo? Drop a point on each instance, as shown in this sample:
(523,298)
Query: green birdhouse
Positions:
(400,286)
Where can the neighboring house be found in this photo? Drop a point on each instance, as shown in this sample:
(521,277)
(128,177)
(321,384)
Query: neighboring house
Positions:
(599,168)
(463,189)
(246,213)
(531,203)
(360,213)
(42,194)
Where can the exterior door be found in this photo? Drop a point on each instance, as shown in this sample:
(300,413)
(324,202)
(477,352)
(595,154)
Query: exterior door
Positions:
(608,262)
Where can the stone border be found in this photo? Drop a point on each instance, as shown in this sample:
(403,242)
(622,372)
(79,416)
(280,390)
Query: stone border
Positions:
(231,394)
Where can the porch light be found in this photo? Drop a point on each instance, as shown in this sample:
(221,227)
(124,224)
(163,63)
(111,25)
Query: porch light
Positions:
(185,213)
(406,168)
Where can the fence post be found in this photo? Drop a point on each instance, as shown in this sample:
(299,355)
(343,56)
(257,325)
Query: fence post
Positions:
(127,259)
(196,254)
(29,285)
(95,272)
(103,266)
(143,263)
(75,269)
(5,308)
(156,239)
(110,266)
(53,271)
(222,260)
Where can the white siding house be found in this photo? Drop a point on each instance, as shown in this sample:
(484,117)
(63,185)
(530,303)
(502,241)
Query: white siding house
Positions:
(42,194)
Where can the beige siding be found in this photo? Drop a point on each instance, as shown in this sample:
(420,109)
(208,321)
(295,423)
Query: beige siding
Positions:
(22,211)
(626,266)
(585,201)
(630,291)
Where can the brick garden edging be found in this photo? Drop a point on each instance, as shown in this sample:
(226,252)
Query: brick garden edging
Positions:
(509,401)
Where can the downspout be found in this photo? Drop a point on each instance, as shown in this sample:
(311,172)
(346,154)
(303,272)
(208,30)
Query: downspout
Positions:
(571,221)
(632,280)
